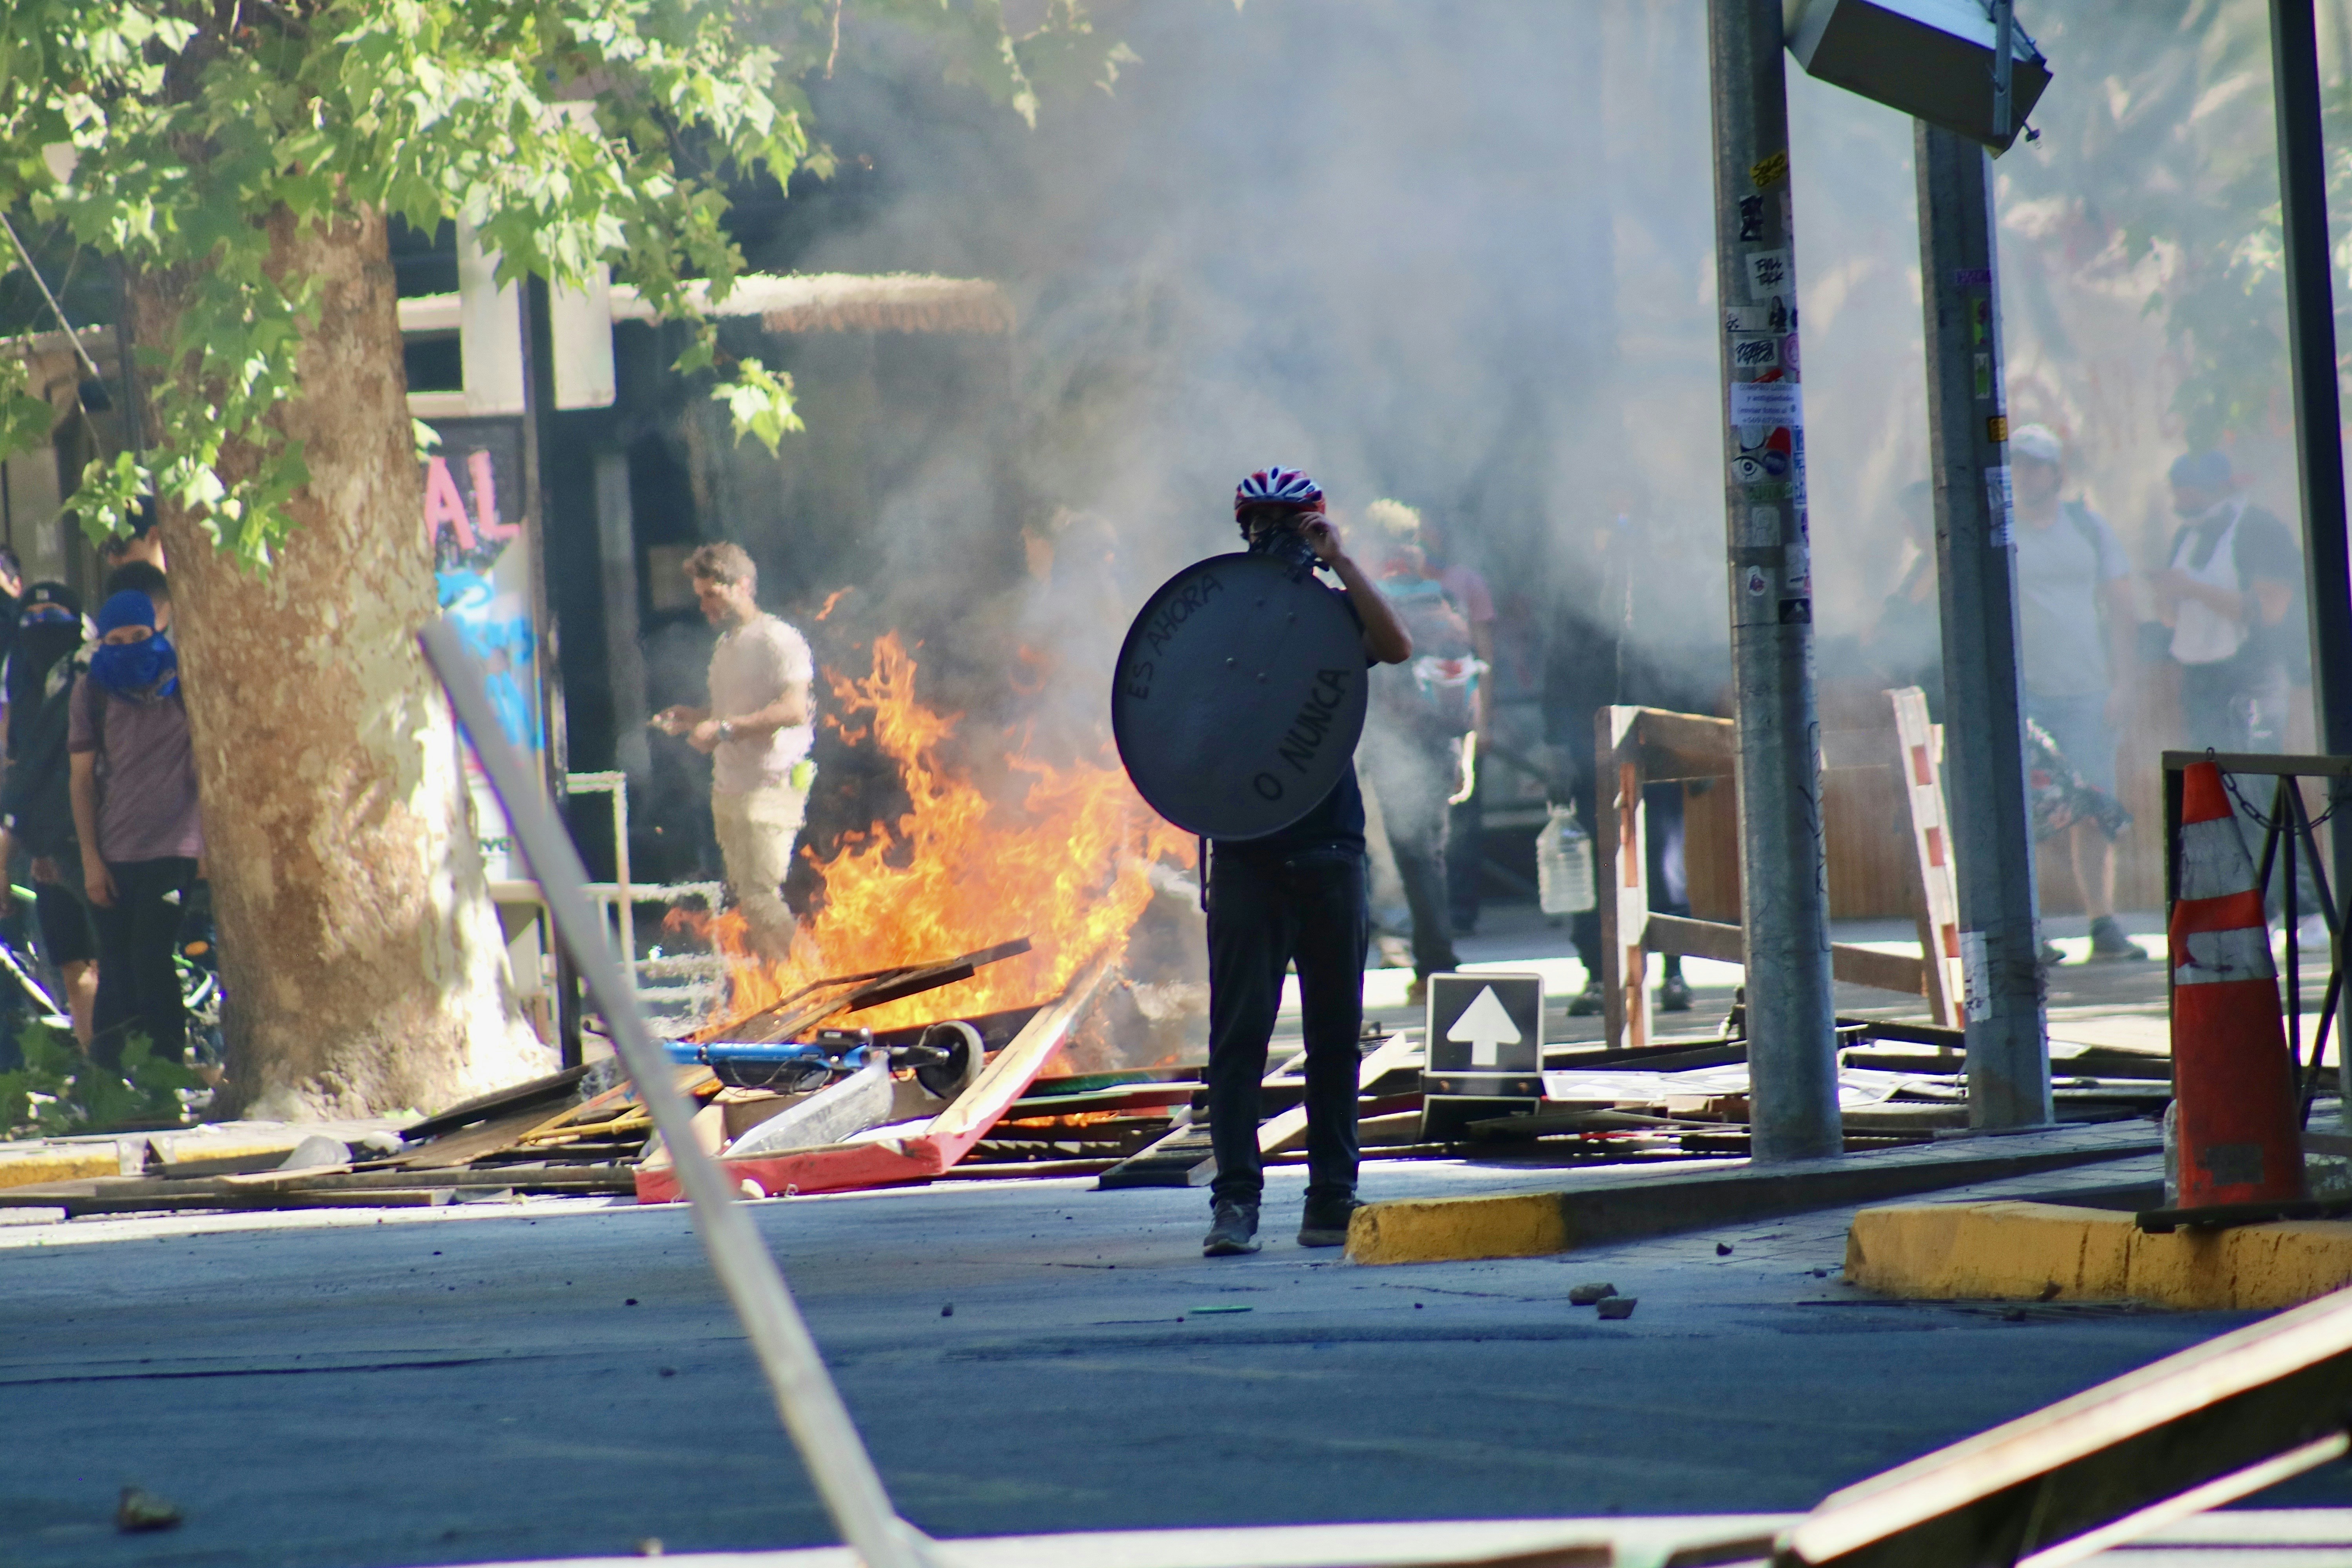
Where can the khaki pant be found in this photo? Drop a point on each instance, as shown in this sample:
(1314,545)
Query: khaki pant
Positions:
(756,831)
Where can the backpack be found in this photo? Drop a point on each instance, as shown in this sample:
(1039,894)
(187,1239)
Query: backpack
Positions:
(1435,693)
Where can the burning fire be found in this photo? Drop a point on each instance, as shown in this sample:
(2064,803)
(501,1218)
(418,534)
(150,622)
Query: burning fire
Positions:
(1067,868)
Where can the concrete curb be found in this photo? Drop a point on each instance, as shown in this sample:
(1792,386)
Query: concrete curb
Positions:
(61,1165)
(82,1161)
(2050,1252)
(1641,1203)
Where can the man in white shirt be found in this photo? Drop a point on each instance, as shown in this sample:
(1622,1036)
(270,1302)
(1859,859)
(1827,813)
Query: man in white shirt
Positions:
(2075,617)
(756,731)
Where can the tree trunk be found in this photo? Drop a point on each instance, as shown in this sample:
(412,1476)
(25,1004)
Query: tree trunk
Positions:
(359,949)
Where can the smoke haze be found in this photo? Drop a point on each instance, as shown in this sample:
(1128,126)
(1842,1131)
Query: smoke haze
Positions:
(1459,255)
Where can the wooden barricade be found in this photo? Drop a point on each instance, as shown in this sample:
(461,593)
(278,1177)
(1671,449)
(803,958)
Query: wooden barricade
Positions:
(1638,747)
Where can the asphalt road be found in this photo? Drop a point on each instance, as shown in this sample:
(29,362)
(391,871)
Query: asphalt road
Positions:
(551,1380)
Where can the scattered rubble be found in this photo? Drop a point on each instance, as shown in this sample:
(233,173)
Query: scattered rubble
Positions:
(796,1100)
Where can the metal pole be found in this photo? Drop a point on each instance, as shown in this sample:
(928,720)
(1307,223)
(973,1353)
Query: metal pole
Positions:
(1784,879)
(538,419)
(625,892)
(1976,575)
(831,1448)
(2318,416)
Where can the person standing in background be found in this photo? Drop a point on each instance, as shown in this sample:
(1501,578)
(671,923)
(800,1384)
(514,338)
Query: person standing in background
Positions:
(1466,828)
(1597,661)
(1411,753)
(2232,596)
(37,801)
(2228,594)
(757,732)
(2075,623)
(12,599)
(135,817)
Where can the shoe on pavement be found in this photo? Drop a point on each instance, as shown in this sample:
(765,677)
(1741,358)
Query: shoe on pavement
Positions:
(1674,994)
(1232,1230)
(1325,1222)
(2053,955)
(2108,941)
(1585,1003)
(1418,992)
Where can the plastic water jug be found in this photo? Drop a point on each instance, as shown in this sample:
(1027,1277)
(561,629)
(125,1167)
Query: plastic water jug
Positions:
(1564,864)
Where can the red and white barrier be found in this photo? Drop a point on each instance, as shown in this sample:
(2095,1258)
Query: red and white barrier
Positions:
(2233,1080)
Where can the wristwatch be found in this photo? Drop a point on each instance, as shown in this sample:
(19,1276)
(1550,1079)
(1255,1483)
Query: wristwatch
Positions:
(727,729)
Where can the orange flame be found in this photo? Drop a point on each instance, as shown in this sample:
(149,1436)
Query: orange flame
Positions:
(1067,867)
(832,599)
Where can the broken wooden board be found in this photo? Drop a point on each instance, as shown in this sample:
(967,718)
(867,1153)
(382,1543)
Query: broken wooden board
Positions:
(918,1157)
(831,1114)
(538,1091)
(1182,1157)
(821,999)
(1279,1133)
(1724,944)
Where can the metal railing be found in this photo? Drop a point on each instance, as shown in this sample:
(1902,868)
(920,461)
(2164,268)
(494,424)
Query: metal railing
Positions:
(684,987)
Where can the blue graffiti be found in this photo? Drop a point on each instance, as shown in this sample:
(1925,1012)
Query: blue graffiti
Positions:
(497,631)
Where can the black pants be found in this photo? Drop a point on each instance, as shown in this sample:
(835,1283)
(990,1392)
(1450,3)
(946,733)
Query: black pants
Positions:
(138,984)
(1265,911)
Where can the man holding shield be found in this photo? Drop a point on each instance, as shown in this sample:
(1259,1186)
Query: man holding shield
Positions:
(1293,896)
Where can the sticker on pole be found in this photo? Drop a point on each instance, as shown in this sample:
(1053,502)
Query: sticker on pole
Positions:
(1239,695)
(1764,404)
(1482,1024)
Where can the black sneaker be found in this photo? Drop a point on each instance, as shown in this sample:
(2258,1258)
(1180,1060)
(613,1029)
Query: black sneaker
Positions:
(1585,1003)
(1674,995)
(2108,941)
(1325,1222)
(1232,1230)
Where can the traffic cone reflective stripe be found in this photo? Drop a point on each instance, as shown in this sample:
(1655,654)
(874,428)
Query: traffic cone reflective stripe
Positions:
(2233,1081)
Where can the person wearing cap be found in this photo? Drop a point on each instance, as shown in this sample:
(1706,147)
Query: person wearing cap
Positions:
(1293,896)
(135,816)
(46,658)
(2228,594)
(2076,621)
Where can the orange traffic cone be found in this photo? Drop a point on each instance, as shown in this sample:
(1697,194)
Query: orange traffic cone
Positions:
(2233,1082)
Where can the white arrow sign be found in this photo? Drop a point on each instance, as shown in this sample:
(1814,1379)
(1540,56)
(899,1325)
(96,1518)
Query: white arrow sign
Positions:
(1486,1023)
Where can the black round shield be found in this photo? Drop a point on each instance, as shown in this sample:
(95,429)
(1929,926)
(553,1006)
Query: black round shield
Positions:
(1238,696)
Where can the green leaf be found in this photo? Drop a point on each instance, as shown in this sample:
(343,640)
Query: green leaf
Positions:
(761,403)
(189,141)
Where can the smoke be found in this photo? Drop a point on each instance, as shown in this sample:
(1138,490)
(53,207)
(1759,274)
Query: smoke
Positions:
(1460,254)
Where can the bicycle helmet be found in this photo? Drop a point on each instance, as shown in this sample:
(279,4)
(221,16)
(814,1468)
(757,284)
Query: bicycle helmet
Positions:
(1277,486)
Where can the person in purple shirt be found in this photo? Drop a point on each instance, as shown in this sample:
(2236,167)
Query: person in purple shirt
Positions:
(134,806)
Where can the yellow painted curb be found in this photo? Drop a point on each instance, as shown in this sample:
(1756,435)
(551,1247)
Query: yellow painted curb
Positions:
(1432,1230)
(2048,1252)
(62,1165)
(80,1161)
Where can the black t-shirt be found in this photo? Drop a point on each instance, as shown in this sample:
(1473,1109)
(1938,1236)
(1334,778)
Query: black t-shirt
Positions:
(1336,821)
(2264,548)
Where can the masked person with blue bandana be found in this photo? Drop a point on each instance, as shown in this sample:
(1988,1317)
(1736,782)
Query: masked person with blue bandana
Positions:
(134,806)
